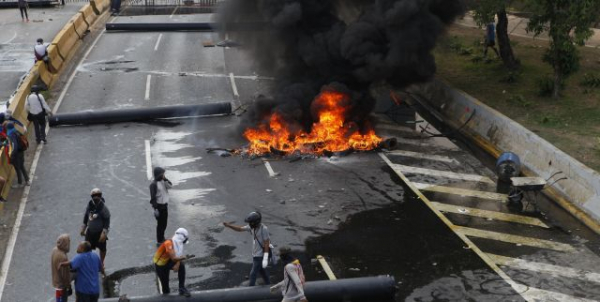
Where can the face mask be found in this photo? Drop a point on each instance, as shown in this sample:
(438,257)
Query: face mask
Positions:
(96,199)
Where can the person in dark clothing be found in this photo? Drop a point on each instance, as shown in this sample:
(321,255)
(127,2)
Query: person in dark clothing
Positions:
(490,39)
(96,223)
(17,155)
(23,6)
(159,199)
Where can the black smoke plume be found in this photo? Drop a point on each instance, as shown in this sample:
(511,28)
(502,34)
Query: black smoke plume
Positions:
(346,44)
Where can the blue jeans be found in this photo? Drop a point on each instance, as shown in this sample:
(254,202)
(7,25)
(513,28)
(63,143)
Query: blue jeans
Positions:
(257,268)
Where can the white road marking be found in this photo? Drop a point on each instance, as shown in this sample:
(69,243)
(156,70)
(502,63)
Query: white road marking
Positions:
(148,160)
(516,239)
(173,13)
(422,156)
(270,170)
(461,192)
(488,214)
(157,42)
(554,270)
(11,39)
(394,128)
(443,174)
(147,95)
(536,294)
(10,247)
(233,85)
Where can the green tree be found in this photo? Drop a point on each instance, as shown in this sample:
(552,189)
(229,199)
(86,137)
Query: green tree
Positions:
(567,23)
(485,10)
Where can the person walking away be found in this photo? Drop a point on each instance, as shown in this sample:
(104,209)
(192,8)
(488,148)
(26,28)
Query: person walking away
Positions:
(169,256)
(260,245)
(490,39)
(37,110)
(23,6)
(292,286)
(159,199)
(61,277)
(17,154)
(88,265)
(96,223)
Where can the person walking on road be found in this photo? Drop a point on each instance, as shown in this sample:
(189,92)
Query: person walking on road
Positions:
(17,147)
(61,276)
(88,265)
(96,223)
(37,110)
(159,199)
(169,256)
(292,286)
(261,246)
(23,6)
(490,39)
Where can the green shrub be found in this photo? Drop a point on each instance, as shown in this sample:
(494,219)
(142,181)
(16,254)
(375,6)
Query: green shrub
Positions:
(519,100)
(590,80)
(546,86)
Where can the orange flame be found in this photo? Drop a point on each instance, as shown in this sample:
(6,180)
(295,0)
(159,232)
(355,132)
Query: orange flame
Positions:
(330,133)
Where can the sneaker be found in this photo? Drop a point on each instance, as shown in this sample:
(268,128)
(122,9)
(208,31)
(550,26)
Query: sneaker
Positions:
(184,292)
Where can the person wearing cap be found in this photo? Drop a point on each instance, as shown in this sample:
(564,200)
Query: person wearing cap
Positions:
(169,256)
(159,199)
(261,245)
(37,110)
(17,154)
(96,223)
(292,286)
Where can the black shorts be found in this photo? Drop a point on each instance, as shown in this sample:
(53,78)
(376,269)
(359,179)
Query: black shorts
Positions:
(93,238)
(490,43)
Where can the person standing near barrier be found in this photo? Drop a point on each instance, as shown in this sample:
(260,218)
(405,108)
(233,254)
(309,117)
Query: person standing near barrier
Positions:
(23,6)
(159,199)
(169,256)
(88,265)
(96,223)
(292,286)
(260,245)
(37,110)
(17,149)
(61,276)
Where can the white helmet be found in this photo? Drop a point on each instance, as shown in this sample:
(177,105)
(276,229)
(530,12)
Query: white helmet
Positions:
(96,191)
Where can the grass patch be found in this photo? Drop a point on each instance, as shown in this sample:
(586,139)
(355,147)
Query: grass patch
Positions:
(572,123)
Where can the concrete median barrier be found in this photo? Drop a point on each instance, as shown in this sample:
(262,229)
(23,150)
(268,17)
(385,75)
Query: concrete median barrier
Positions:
(65,41)
(79,25)
(56,61)
(88,15)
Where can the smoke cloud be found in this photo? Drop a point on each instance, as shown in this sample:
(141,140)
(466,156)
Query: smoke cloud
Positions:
(350,45)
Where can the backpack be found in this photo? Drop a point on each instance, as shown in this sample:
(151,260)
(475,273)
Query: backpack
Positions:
(22,142)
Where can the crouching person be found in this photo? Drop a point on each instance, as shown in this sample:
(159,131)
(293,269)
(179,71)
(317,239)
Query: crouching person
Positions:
(169,256)
(292,286)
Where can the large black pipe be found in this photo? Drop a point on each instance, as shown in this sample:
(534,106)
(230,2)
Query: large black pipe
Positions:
(201,26)
(139,114)
(367,289)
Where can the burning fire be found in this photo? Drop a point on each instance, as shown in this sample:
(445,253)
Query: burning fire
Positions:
(331,132)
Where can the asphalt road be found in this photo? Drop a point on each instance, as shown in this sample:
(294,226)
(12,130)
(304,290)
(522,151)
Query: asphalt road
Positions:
(17,39)
(351,209)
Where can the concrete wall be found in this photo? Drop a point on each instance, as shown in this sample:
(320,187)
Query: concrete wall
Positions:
(582,188)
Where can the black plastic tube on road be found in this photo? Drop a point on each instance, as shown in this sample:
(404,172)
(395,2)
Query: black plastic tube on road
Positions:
(139,114)
(380,288)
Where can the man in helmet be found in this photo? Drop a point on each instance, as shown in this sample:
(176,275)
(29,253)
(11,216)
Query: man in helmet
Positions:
(169,256)
(159,199)
(260,245)
(96,223)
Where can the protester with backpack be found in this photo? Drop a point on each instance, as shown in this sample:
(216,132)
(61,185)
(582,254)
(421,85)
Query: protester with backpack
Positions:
(37,110)
(261,245)
(17,144)
(292,286)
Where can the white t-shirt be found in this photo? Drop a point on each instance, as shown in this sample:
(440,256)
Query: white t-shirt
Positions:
(40,50)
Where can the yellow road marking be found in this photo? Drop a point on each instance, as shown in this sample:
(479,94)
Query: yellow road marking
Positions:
(440,173)
(516,239)
(326,267)
(489,214)
(461,192)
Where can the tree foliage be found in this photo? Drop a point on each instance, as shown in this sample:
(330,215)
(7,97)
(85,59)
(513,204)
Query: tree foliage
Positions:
(567,22)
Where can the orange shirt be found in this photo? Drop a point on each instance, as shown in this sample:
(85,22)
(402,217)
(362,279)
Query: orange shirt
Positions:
(161,257)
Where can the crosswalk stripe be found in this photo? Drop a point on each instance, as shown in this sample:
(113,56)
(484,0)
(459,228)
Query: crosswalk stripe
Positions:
(423,156)
(461,192)
(489,214)
(440,173)
(516,239)
(554,270)
(394,127)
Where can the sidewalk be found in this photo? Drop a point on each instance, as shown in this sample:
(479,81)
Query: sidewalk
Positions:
(517,27)
(17,39)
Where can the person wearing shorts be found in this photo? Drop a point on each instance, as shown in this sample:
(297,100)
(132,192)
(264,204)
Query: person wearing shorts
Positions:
(96,223)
